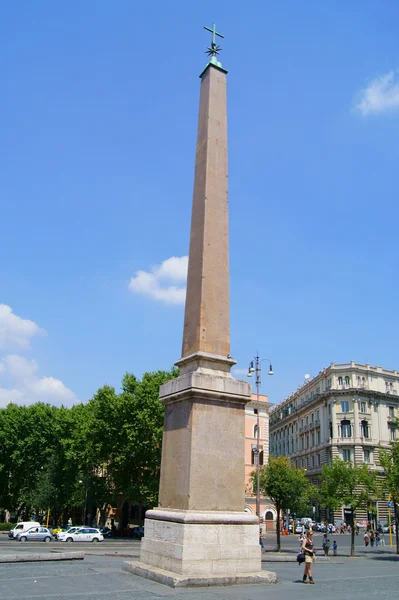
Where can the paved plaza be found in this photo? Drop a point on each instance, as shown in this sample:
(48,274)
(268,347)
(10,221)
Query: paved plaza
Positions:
(373,573)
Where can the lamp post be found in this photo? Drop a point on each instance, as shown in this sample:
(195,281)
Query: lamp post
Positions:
(255,367)
(85,508)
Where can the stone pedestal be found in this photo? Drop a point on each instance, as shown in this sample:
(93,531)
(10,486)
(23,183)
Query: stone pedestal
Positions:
(193,548)
(200,534)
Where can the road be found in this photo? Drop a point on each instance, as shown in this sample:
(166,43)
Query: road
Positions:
(98,577)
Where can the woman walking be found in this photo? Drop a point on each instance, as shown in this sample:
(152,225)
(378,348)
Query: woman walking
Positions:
(308,549)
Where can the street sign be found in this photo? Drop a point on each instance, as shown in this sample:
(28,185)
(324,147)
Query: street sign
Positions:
(390,504)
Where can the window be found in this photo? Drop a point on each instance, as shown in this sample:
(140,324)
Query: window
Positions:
(312,439)
(367,455)
(391,411)
(318,460)
(301,422)
(255,411)
(363,407)
(329,409)
(318,436)
(331,430)
(347,380)
(254,455)
(312,417)
(307,420)
(302,443)
(318,415)
(340,381)
(256,431)
(364,427)
(363,382)
(307,441)
(345,406)
(313,461)
(346,455)
(346,429)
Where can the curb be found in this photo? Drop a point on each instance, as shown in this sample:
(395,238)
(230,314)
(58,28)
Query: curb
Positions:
(15,558)
(280,557)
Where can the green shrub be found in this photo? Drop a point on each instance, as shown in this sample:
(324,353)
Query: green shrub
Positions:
(6,526)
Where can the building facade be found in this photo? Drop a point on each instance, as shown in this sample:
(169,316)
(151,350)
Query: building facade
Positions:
(347,411)
(257,414)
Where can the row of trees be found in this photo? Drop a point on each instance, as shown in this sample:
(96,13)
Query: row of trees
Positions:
(91,453)
(342,484)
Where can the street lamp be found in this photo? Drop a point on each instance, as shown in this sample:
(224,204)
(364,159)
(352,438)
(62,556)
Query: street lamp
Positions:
(255,367)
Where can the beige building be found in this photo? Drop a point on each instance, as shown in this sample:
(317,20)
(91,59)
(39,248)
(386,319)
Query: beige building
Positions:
(346,411)
(257,413)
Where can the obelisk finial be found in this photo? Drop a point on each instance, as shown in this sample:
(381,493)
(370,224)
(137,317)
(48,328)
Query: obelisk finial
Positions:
(213,50)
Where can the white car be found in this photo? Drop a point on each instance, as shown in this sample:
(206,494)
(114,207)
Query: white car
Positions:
(61,535)
(82,534)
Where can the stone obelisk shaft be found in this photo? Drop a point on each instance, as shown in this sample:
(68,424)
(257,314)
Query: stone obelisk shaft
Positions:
(207,313)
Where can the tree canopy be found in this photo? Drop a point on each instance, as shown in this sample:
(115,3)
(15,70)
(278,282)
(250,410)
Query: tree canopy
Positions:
(60,458)
(343,484)
(287,486)
(389,461)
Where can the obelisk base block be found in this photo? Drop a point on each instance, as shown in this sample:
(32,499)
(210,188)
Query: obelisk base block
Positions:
(192,548)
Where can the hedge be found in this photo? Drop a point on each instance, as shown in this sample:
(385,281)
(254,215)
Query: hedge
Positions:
(6,526)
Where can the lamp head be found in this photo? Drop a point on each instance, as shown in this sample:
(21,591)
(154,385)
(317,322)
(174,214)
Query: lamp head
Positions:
(251,367)
(271,372)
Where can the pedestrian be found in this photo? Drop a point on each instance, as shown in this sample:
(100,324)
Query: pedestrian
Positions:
(372,538)
(262,546)
(366,539)
(70,522)
(326,544)
(377,539)
(335,548)
(357,529)
(308,549)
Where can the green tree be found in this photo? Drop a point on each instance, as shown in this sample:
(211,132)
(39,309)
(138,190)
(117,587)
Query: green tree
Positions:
(287,487)
(344,484)
(136,463)
(389,461)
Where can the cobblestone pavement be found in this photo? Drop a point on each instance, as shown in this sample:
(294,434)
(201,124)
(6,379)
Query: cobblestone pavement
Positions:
(101,577)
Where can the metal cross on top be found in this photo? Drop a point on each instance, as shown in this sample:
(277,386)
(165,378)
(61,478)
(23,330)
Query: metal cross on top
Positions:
(213,49)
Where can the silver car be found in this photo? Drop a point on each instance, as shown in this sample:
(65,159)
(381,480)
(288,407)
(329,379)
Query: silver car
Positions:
(35,534)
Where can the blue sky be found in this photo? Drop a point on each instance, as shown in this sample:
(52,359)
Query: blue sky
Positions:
(98,117)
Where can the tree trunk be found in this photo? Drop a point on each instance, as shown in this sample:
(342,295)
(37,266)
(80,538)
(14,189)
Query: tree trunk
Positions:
(278,528)
(353,534)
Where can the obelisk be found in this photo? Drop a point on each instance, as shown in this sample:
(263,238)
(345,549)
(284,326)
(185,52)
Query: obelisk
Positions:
(200,534)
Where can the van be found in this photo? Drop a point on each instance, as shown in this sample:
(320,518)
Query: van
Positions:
(22,526)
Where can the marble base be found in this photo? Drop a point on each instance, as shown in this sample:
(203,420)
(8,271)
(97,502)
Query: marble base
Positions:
(192,548)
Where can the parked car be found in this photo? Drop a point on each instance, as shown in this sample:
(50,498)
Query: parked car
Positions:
(22,526)
(35,534)
(138,532)
(299,528)
(83,534)
(62,534)
(106,531)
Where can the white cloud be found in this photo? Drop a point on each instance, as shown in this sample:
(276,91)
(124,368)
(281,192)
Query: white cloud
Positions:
(381,95)
(19,381)
(165,282)
(15,331)
(27,387)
